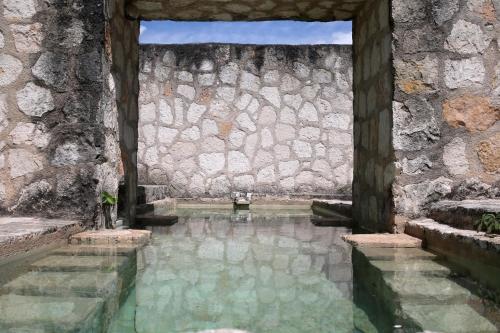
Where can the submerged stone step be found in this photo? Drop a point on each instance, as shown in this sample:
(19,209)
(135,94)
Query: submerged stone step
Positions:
(42,314)
(64,284)
(96,250)
(387,253)
(419,289)
(112,237)
(383,240)
(454,318)
(58,263)
(411,268)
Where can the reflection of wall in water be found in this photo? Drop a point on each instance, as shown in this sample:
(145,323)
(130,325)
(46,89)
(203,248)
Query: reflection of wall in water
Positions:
(261,274)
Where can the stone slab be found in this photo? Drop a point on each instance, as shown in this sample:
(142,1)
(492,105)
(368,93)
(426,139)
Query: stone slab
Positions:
(456,318)
(21,234)
(327,207)
(112,237)
(50,314)
(420,289)
(448,240)
(411,268)
(462,214)
(96,250)
(386,253)
(383,240)
(56,263)
(64,284)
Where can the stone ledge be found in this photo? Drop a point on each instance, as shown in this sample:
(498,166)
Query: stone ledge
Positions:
(22,234)
(467,243)
(107,237)
(462,214)
(324,207)
(383,240)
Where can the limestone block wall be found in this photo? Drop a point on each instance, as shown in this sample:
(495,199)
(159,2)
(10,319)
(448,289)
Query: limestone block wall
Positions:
(373,89)
(446,102)
(268,119)
(58,131)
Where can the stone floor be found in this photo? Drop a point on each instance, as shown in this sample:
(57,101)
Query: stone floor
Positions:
(21,234)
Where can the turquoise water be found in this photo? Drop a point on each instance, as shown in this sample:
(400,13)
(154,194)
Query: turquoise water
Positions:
(259,271)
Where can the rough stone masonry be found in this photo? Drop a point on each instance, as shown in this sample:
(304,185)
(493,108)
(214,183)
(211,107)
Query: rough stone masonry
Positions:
(426,99)
(265,119)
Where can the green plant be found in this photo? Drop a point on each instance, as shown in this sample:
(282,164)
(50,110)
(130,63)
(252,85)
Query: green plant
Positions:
(489,223)
(108,201)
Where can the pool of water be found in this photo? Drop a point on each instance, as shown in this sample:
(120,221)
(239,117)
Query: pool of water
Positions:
(259,271)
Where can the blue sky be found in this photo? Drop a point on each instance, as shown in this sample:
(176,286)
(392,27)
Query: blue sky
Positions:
(267,32)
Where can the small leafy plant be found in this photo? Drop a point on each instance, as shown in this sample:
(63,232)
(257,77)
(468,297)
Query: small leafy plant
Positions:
(108,201)
(489,223)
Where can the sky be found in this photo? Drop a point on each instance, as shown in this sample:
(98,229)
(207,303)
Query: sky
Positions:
(266,32)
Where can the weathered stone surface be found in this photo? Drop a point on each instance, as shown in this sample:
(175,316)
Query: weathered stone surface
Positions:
(443,10)
(464,73)
(53,69)
(27,38)
(19,9)
(112,237)
(10,69)
(23,162)
(212,163)
(34,100)
(454,157)
(489,153)
(383,241)
(467,38)
(475,113)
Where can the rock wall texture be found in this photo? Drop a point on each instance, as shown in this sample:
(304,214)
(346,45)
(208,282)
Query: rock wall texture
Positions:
(447,101)
(122,48)
(58,136)
(373,89)
(267,119)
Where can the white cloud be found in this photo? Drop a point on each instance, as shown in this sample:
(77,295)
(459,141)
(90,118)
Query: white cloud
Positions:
(143,29)
(342,38)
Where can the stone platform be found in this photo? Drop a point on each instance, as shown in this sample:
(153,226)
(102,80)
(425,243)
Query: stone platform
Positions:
(111,237)
(383,240)
(22,234)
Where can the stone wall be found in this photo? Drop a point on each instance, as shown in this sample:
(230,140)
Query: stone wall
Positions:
(122,46)
(373,156)
(447,101)
(58,136)
(267,119)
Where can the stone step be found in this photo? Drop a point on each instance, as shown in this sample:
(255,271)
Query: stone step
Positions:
(420,289)
(64,284)
(454,318)
(96,250)
(395,254)
(474,253)
(332,208)
(410,268)
(383,240)
(43,314)
(152,220)
(462,214)
(112,237)
(59,263)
